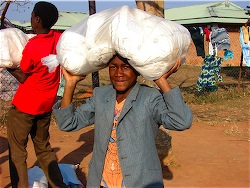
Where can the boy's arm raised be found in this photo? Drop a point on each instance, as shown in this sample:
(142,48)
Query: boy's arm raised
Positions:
(69,88)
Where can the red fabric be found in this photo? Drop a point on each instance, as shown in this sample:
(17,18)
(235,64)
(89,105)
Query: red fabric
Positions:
(207,31)
(38,93)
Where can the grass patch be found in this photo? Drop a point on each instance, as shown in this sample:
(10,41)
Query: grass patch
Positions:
(193,97)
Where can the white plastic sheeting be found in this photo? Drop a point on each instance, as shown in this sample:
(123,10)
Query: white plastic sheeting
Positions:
(13,41)
(150,43)
(37,178)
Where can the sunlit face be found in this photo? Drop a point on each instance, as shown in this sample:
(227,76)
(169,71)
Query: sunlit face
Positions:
(122,75)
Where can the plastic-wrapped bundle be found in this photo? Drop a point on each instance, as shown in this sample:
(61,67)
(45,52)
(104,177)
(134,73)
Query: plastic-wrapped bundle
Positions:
(13,41)
(150,43)
(86,47)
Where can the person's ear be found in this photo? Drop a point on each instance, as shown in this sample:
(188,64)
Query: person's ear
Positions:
(37,19)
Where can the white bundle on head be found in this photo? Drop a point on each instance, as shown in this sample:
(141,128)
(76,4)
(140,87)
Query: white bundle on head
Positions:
(86,47)
(71,51)
(150,43)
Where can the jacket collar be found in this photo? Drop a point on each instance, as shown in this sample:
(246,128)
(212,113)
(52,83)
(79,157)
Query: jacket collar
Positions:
(111,97)
(110,102)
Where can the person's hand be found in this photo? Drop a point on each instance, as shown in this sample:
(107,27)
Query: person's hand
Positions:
(69,87)
(162,82)
(70,78)
(173,69)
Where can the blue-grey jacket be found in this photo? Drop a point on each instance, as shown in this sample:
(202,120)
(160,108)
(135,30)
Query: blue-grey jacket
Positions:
(145,109)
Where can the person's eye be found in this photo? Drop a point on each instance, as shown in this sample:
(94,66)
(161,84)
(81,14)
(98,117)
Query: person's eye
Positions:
(112,67)
(126,67)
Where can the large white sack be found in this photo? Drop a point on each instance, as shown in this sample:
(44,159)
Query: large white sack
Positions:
(13,41)
(151,43)
(86,47)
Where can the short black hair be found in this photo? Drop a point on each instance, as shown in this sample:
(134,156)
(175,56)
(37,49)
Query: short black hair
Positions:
(47,12)
(125,60)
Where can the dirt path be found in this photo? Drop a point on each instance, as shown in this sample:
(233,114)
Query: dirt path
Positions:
(205,155)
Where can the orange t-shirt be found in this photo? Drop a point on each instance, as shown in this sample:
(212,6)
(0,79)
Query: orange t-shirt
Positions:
(112,174)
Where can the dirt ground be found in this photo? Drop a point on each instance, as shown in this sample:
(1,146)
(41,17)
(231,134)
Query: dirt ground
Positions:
(206,155)
(214,152)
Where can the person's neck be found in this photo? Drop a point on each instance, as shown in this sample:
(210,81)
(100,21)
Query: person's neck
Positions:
(119,99)
(120,96)
(43,31)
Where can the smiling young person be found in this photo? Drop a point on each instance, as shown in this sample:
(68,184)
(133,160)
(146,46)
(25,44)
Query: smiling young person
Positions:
(126,118)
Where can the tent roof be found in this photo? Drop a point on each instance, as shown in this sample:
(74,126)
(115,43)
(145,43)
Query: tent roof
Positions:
(216,12)
(68,19)
(65,20)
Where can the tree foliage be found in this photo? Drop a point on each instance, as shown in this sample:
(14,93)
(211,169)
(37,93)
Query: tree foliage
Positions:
(5,6)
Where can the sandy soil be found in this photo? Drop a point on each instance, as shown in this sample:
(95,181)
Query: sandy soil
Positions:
(214,152)
(204,156)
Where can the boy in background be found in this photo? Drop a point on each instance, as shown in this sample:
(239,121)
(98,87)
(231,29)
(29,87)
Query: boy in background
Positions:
(32,104)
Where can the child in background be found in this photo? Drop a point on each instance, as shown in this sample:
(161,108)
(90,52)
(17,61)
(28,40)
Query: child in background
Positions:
(32,104)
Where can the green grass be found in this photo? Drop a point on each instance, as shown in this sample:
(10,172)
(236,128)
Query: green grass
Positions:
(193,97)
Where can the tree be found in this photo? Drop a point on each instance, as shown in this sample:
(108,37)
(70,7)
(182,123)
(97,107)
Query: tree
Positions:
(5,6)
(155,7)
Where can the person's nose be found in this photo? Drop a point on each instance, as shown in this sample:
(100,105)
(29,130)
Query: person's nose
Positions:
(119,71)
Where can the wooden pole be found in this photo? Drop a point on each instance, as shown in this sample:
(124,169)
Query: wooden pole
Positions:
(95,75)
(240,71)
